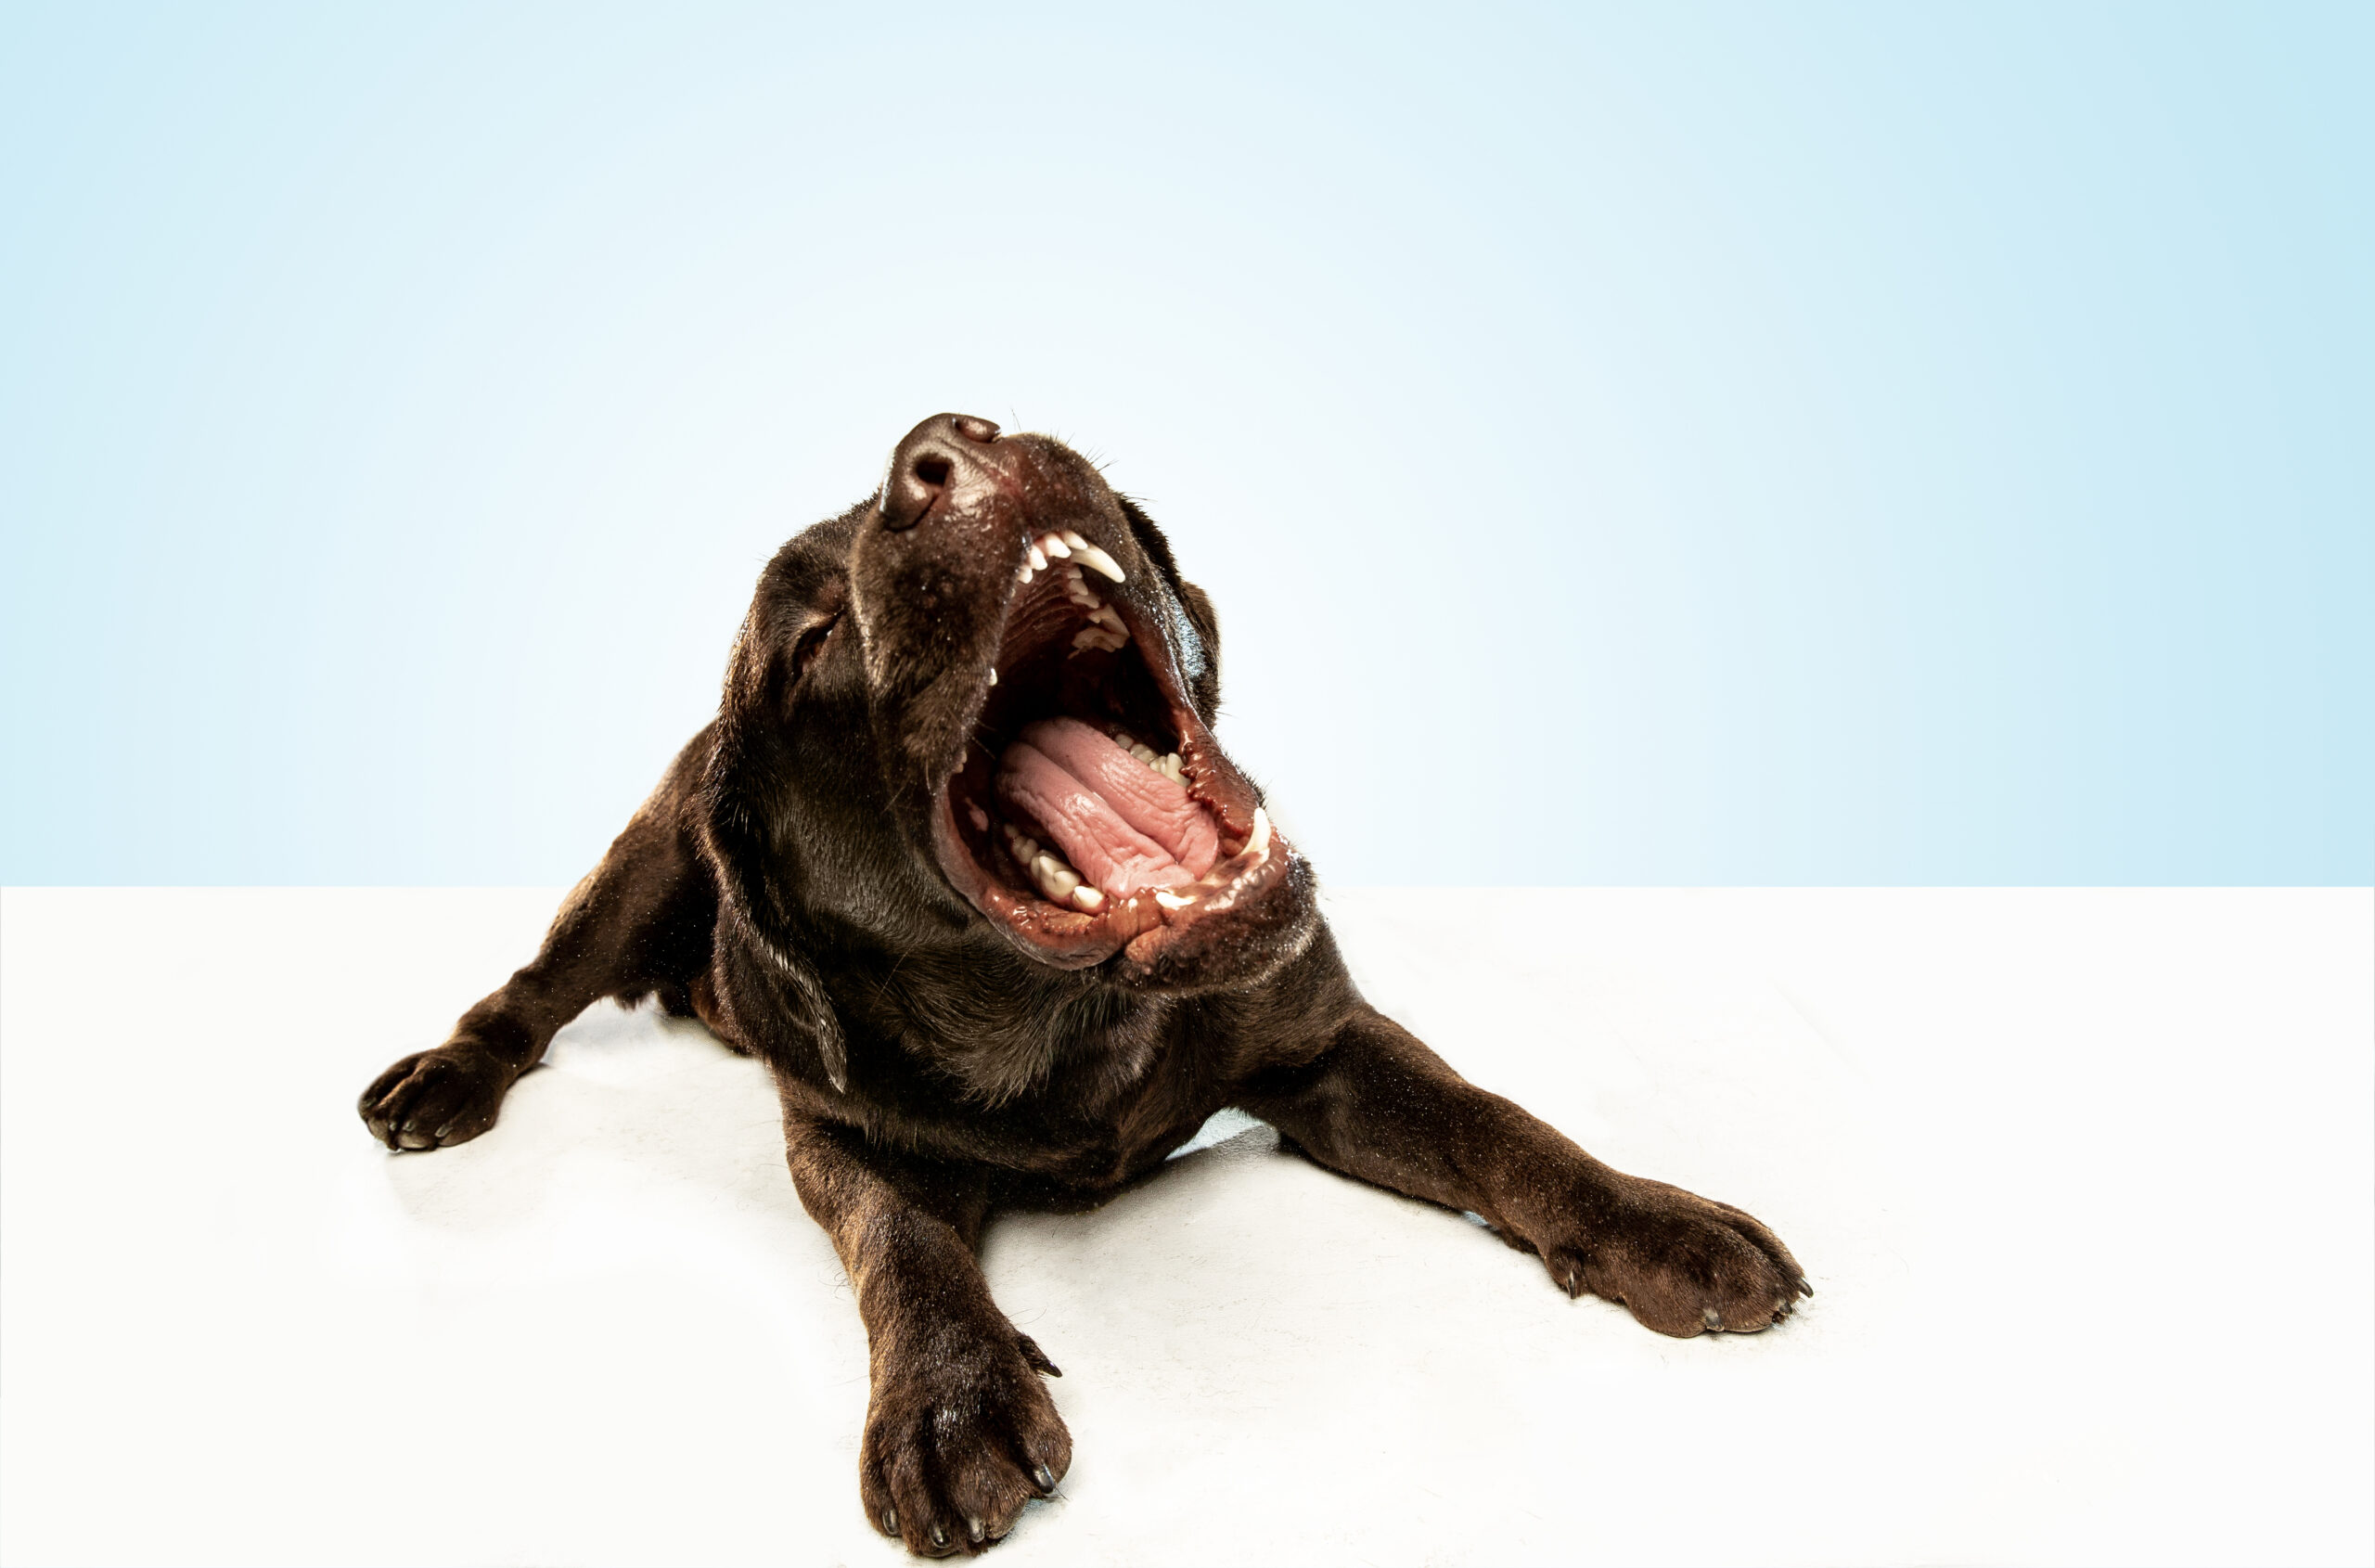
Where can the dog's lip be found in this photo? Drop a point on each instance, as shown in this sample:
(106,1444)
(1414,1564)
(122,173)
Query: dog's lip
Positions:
(1146,923)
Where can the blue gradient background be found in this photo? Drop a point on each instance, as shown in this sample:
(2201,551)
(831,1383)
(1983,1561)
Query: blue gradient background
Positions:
(1647,444)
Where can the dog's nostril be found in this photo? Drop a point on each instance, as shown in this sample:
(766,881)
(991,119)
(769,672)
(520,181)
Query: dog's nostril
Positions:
(923,468)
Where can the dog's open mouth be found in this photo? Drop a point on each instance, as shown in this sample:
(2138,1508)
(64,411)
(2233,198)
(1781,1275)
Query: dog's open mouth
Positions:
(1092,812)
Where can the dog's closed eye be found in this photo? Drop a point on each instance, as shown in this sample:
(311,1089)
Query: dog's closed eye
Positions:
(811,644)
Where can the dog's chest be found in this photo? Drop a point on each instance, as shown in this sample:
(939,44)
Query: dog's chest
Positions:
(1090,1111)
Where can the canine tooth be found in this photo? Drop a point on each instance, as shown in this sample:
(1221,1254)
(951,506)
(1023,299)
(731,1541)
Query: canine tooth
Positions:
(1058,548)
(1088,898)
(1172,900)
(1038,558)
(1258,842)
(1103,616)
(994,677)
(1097,560)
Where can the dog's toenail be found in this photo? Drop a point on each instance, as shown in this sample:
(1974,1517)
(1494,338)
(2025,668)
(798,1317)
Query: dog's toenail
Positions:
(939,1535)
(889,1521)
(1045,1477)
(1711,1317)
(973,1528)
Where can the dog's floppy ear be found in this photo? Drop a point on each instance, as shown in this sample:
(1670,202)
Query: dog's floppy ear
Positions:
(743,813)
(1204,659)
(1208,627)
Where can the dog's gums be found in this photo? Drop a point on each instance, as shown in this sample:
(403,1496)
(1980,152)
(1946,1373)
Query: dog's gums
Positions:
(962,861)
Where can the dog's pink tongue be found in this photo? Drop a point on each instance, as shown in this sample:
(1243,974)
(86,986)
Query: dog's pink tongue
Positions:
(1124,827)
(1140,796)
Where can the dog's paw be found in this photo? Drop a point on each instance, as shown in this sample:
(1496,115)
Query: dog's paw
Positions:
(1683,1264)
(958,1438)
(432,1098)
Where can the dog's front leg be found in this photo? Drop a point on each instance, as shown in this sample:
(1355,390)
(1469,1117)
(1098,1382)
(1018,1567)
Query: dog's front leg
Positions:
(960,1432)
(1378,1104)
(640,922)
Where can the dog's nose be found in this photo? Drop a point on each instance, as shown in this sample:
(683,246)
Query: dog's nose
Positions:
(933,457)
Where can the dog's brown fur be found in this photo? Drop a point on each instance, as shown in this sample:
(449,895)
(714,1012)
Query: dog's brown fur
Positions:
(785,884)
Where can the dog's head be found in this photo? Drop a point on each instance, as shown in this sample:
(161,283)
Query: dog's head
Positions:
(978,707)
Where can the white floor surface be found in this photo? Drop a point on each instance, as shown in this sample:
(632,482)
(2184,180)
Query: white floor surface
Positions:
(2085,1181)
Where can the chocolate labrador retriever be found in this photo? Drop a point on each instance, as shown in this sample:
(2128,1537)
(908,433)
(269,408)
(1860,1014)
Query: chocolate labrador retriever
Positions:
(960,860)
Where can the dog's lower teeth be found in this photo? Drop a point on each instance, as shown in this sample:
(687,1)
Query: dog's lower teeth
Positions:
(1172,900)
(1088,898)
(1168,764)
(1055,878)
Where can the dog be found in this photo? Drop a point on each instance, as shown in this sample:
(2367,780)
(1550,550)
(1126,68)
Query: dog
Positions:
(961,859)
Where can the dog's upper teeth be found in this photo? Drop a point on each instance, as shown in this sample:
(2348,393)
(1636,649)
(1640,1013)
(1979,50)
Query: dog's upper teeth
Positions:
(1038,558)
(1054,546)
(1094,558)
(994,675)
(1024,575)
(1257,842)
(1103,616)
(1143,751)
(1078,591)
